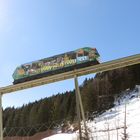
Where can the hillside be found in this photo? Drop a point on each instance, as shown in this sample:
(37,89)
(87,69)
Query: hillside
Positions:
(110,124)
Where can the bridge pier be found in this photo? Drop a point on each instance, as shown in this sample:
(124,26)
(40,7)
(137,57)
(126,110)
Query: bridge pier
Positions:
(1,120)
(80,109)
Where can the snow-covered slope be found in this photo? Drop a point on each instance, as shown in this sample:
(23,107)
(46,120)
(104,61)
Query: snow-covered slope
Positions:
(110,125)
(63,137)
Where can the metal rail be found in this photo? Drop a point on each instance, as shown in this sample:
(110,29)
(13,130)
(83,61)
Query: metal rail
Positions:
(106,66)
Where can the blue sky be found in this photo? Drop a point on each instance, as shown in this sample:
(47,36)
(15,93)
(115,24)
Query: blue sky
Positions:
(35,29)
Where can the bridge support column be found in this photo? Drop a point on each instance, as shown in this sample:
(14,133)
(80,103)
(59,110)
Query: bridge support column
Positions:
(1,120)
(80,109)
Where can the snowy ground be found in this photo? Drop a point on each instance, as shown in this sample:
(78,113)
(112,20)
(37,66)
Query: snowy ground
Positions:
(110,125)
(63,137)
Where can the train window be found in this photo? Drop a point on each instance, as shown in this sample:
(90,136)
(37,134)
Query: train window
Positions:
(86,53)
(80,54)
(35,65)
(72,55)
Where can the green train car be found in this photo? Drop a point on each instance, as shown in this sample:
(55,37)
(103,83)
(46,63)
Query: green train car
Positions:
(79,58)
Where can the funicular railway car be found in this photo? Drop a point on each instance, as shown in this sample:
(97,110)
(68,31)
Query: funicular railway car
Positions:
(79,58)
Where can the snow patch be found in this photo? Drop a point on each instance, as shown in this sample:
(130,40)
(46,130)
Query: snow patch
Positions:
(73,136)
(110,124)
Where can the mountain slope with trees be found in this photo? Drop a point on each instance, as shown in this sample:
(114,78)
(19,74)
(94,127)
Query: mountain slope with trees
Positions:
(97,94)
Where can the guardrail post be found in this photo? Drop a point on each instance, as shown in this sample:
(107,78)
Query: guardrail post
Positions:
(80,108)
(1,120)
